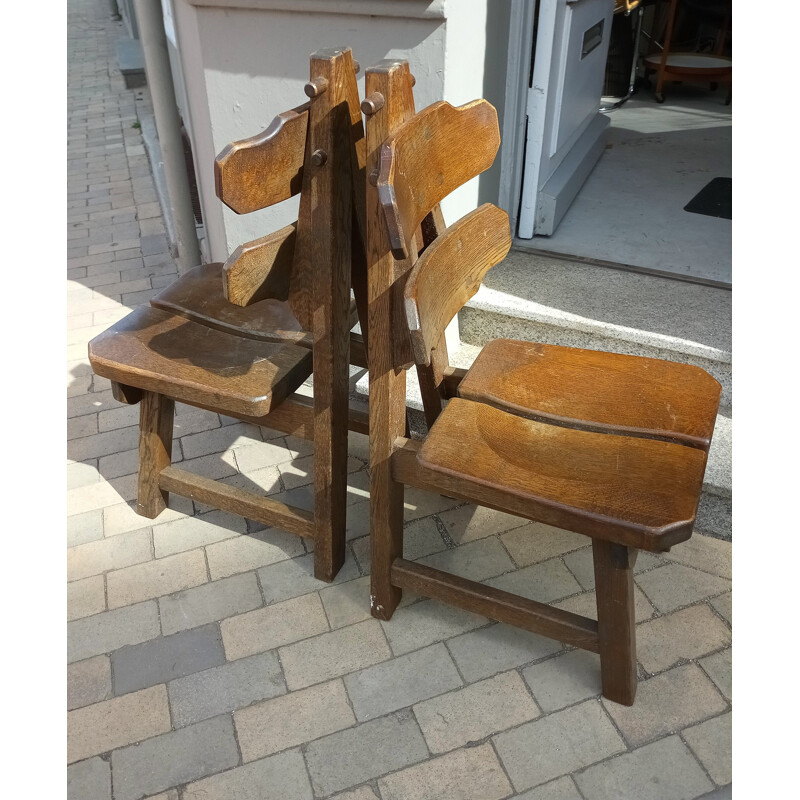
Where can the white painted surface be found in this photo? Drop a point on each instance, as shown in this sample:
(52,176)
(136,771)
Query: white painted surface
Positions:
(563,98)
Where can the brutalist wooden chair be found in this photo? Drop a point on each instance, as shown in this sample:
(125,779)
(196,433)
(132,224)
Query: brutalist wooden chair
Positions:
(610,446)
(158,355)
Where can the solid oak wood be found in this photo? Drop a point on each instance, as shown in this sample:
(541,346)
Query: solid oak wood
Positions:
(596,391)
(387,385)
(197,295)
(611,487)
(428,157)
(156,414)
(265,169)
(446,276)
(260,269)
(167,354)
(238,501)
(613,573)
(497,604)
(129,395)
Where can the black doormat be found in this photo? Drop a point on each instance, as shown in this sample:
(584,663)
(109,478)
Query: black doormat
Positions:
(713,200)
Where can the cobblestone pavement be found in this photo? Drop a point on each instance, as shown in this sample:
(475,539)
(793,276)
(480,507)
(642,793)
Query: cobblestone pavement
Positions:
(205,661)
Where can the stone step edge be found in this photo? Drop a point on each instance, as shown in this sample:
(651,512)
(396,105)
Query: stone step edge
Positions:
(497,302)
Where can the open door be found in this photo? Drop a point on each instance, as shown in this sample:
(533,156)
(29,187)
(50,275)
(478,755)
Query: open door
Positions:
(565,130)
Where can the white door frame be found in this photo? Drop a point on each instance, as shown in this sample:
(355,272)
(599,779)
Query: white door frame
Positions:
(518,68)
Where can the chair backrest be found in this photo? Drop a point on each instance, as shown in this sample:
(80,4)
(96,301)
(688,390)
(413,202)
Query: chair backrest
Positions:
(449,273)
(277,164)
(428,157)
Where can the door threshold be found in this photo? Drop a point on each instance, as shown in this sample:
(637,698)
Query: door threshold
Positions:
(526,246)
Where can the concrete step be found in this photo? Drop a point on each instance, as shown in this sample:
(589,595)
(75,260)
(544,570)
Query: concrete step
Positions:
(538,298)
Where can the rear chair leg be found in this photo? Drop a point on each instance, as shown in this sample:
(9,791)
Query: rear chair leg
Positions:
(613,572)
(155,451)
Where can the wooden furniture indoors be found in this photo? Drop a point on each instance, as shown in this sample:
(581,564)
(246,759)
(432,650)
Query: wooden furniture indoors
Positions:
(673,66)
(289,315)
(610,446)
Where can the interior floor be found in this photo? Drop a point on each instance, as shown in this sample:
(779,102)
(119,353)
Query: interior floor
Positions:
(658,157)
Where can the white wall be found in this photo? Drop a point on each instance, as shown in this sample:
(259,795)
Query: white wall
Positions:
(244,61)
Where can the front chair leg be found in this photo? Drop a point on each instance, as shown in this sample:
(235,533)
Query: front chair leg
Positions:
(156,413)
(616,620)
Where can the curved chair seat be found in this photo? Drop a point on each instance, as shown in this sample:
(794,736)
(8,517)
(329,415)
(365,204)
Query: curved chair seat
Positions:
(596,391)
(638,492)
(198,296)
(159,352)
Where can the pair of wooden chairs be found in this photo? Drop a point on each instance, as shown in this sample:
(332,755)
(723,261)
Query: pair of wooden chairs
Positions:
(610,446)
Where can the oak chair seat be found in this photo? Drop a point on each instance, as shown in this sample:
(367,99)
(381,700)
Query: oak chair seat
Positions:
(639,492)
(596,391)
(154,350)
(198,296)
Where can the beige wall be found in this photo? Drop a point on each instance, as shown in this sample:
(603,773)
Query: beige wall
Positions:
(244,61)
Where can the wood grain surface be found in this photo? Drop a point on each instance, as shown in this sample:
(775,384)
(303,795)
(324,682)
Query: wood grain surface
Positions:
(167,354)
(596,391)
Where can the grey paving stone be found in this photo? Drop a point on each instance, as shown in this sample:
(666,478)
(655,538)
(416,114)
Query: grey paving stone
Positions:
(664,770)
(565,679)
(563,742)
(117,722)
(469,774)
(470,714)
(209,602)
(723,605)
(711,742)
(102,633)
(686,634)
(86,527)
(89,780)
(476,561)
(240,436)
(295,576)
(155,578)
(362,793)
(94,558)
(401,682)
(267,628)
(249,552)
(559,789)
(718,668)
(177,757)
(545,582)
(190,533)
(333,654)
(581,565)
(166,658)
(674,585)
(280,777)
(225,688)
(667,703)
(420,538)
(723,793)
(704,553)
(292,719)
(496,648)
(468,522)
(535,542)
(356,755)
(86,597)
(347,603)
(418,503)
(88,682)
(427,622)
(120,518)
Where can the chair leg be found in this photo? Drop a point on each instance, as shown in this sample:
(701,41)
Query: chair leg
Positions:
(613,572)
(156,413)
(386,540)
(330,500)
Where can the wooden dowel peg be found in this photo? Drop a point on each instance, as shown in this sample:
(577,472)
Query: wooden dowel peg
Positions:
(373,177)
(413,81)
(315,87)
(318,158)
(372,103)
(356,67)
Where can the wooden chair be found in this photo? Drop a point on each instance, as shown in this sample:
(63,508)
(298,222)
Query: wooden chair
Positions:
(610,446)
(294,289)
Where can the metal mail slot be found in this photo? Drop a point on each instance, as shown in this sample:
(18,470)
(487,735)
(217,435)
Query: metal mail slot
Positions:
(592,38)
